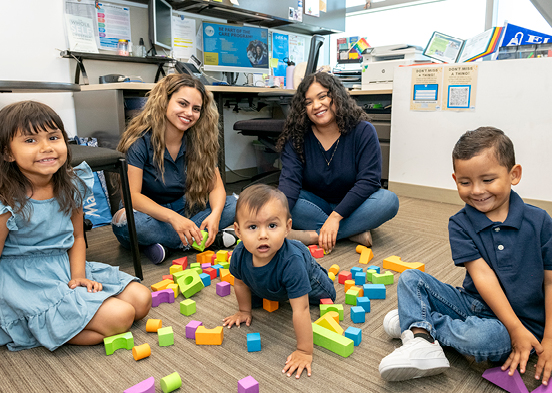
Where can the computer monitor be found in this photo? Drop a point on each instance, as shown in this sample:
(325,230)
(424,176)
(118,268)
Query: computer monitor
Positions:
(160,27)
(314,52)
(230,48)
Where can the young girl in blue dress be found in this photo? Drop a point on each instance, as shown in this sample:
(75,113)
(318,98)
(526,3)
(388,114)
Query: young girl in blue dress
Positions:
(49,294)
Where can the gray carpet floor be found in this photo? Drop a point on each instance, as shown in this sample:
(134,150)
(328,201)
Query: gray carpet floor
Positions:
(417,234)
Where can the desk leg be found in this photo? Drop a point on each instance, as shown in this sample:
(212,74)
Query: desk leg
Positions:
(221,157)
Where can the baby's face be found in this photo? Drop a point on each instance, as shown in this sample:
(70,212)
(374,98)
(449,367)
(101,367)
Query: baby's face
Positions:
(263,233)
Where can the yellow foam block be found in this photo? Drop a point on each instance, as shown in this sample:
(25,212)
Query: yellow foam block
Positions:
(174,287)
(175,268)
(328,322)
(394,263)
(331,275)
(206,336)
(161,285)
(222,256)
(366,254)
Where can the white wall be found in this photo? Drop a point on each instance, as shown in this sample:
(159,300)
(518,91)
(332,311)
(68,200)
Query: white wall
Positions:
(513,95)
(32,32)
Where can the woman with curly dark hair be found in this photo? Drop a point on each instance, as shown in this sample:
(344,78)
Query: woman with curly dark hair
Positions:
(331,166)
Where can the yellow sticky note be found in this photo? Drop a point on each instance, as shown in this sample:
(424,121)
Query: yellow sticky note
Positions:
(273,62)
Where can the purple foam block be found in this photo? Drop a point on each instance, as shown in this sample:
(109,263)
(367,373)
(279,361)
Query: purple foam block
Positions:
(543,389)
(512,384)
(164,296)
(191,328)
(223,288)
(248,385)
(146,386)
(205,265)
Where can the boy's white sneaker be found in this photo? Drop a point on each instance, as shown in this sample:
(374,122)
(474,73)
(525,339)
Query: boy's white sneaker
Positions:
(391,324)
(416,358)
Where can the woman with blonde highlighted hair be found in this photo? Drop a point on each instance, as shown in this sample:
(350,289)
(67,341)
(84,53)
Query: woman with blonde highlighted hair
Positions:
(172,148)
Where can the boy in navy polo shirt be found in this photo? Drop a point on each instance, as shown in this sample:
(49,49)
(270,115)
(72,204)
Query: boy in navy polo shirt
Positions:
(266,265)
(506,248)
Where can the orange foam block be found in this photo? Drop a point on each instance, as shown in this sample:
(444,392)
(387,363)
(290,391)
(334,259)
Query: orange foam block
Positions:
(334,269)
(226,276)
(366,254)
(161,285)
(205,257)
(206,336)
(394,263)
(153,325)
(270,305)
(349,284)
(141,351)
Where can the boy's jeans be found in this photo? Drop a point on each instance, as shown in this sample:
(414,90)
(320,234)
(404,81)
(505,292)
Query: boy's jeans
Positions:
(451,316)
(151,231)
(311,212)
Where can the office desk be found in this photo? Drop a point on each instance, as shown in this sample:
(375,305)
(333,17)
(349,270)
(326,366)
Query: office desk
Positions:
(100,109)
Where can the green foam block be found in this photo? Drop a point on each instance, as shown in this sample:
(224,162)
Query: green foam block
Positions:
(123,340)
(332,341)
(189,282)
(386,278)
(200,247)
(324,308)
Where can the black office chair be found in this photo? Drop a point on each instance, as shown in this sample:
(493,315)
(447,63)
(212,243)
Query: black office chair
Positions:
(102,159)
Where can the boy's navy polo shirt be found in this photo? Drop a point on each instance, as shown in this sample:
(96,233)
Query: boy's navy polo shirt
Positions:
(140,155)
(353,175)
(519,250)
(286,276)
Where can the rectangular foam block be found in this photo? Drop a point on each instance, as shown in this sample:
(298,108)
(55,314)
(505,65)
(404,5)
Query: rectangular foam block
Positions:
(206,279)
(211,272)
(223,288)
(351,297)
(364,302)
(270,305)
(205,265)
(344,276)
(201,246)
(253,342)
(222,256)
(174,287)
(374,291)
(165,336)
(217,268)
(355,270)
(360,278)
(373,267)
(332,341)
(326,301)
(161,285)
(248,385)
(206,336)
(187,307)
(354,334)
(358,315)
(191,328)
(175,268)
(324,308)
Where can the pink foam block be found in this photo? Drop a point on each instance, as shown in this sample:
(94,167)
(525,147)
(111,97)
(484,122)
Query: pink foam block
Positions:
(223,288)
(512,384)
(543,389)
(191,328)
(146,386)
(163,296)
(248,385)
(206,265)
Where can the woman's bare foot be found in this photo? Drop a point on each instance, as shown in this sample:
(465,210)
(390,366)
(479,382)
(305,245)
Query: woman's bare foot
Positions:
(307,237)
(364,238)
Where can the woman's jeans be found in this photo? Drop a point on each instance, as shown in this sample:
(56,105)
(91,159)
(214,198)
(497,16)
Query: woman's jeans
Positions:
(311,212)
(451,316)
(151,231)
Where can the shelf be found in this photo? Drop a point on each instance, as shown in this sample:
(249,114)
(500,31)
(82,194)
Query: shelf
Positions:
(34,87)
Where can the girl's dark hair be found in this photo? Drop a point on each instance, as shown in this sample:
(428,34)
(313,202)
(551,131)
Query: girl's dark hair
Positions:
(471,143)
(30,118)
(255,197)
(348,113)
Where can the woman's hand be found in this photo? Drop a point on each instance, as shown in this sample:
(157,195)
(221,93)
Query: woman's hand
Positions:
(186,229)
(211,222)
(328,232)
(92,286)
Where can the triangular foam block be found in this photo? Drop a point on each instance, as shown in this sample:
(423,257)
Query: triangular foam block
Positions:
(543,389)
(513,384)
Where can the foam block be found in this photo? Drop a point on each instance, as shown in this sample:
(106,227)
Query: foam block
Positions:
(217,268)
(191,328)
(181,261)
(344,276)
(226,276)
(360,279)
(394,263)
(316,251)
(153,325)
(355,270)
(162,296)
(206,279)
(189,282)
(187,307)
(326,301)
(168,277)
(223,288)
(253,342)
(141,351)
(201,246)
(373,267)
(118,341)
(205,265)
(206,336)
(225,265)
(161,285)
(363,302)
(351,297)
(324,308)
(165,336)
(512,384)
(327,321)
(333,314)
(211,272)
(369,274)
(175,268)
(354,334)
(366,254)
(174,288)
(334,269)
(348,285)
(386,278)
(332,341)
(222,256)
(331,276)
(374,291)
(205,257)
(270,305)
(195,264)
(358,315)
(248,385)
(171,382)
(146,386)
(543,389)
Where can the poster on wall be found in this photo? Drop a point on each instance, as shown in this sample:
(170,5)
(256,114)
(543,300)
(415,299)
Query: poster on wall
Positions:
(113,25)
(280,51)
(426,88)
(312,7)
(80,34)
(183,33)
(296,48)
(459,87)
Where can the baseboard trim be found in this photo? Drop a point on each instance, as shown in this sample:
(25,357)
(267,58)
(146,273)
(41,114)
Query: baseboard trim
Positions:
(448,196)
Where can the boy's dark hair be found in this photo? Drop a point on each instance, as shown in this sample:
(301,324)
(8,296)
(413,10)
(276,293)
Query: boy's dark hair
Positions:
(30,118)
(471,143)
(255,197)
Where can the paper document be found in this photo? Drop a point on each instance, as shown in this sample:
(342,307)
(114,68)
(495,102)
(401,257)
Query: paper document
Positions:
(80,34)
(184,36)
(113,25)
